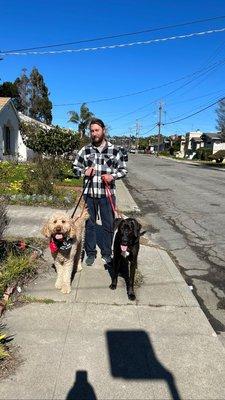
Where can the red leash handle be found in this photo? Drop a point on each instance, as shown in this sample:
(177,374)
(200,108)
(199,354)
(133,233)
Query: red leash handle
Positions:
(109,195)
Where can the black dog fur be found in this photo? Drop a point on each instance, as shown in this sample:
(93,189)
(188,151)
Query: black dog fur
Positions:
(128,234)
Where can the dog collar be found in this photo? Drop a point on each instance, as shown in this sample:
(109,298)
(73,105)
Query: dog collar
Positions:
(62,245)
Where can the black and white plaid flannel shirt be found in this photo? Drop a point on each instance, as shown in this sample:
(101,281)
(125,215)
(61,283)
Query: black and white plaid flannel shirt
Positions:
(109,161)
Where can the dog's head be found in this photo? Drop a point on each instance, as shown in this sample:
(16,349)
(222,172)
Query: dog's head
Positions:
(129,231)
(59,226)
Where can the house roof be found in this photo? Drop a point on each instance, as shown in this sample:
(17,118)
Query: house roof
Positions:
(29,120)
(4,101)
(212,135)
(7,101)
(196,140)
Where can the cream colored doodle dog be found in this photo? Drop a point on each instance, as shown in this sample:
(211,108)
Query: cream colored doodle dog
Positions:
(66,239)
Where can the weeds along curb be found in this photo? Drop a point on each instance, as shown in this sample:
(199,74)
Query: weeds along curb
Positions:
(11,289)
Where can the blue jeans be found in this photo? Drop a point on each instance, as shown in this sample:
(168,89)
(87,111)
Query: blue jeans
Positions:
(95,205)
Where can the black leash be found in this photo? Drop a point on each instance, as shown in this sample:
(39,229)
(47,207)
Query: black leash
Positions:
(89,180)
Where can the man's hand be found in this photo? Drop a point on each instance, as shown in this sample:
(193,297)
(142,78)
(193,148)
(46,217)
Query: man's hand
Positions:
(107,178)
(90,171)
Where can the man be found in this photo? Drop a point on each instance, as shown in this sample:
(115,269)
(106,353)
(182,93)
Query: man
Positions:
(99,158)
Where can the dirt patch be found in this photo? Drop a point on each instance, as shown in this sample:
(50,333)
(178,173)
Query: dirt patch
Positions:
(9,365)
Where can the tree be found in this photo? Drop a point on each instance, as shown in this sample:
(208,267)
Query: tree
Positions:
(81,119)
(40,105)
(55,141)
(23,88)
(221,118)
(9,89)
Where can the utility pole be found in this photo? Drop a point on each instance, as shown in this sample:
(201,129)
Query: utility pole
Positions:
(159,124)
(138,127)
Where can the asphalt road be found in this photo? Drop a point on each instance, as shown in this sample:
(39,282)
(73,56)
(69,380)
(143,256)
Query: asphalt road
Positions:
(183,208)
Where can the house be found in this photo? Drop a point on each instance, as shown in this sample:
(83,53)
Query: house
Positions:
(198,139)
(193,142)
(11,143)
(213,141)
(10,138)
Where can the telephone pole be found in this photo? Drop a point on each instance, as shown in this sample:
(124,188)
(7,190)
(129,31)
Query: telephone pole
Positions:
(138,127)
(159,124)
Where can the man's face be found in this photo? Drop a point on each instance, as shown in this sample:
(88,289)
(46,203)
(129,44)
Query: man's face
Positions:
(97,134)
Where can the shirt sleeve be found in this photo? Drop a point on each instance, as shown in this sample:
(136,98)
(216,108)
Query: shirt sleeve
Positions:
(121,167)
(79,165)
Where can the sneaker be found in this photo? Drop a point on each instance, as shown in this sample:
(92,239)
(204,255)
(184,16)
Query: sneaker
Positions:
(90,260)
(107,259)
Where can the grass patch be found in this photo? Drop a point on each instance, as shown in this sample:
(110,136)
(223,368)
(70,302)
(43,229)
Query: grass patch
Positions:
(32,299)
(14,268)
(46,182)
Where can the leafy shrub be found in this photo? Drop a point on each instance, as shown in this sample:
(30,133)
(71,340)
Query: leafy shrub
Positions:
(3,352)
(164,153)
(12,171)
(13,268)
(55,141)
(218,156)
(203,154)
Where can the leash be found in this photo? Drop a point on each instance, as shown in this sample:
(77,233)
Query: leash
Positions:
(89,180)
(109,197)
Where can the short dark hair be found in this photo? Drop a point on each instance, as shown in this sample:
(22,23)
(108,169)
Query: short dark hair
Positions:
(98,122)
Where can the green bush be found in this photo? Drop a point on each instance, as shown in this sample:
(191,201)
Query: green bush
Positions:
(11,171)
(45,181)
(14,268)
(164,153)
(203,154)
(218,156)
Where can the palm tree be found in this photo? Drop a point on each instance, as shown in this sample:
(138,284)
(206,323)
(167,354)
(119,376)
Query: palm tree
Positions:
(81,119)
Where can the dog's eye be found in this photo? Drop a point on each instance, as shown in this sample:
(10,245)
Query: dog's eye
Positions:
(54,222)
(63,222)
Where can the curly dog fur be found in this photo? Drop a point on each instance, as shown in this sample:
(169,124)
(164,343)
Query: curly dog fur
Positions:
(66,260)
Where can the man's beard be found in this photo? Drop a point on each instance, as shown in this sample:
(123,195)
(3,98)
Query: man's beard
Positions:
(98,141)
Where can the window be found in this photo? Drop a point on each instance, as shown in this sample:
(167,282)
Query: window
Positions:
(7,141)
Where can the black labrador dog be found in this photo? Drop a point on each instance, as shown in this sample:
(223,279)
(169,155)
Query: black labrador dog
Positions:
(125,252)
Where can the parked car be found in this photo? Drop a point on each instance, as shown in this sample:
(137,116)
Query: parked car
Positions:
(132,151)
(124,152)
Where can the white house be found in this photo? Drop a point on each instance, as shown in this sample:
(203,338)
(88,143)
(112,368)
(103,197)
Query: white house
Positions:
(9,130)
(11,143)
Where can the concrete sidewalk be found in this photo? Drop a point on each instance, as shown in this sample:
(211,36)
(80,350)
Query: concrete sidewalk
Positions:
(96,344)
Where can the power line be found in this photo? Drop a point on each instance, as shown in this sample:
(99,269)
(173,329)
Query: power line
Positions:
(125,95)
(208,69)
(150,130)
(114,46)
(140,91)
(197,112)
(116,36)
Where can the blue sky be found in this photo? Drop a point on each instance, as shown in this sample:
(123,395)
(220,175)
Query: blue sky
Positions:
(94,75)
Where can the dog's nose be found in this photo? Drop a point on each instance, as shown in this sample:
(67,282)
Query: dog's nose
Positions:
(58,228)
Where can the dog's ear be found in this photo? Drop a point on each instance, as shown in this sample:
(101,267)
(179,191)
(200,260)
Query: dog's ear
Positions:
(116,223)
(45,230)
(136,227)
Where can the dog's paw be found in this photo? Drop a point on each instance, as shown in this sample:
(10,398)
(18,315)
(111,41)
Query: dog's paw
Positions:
(131,296)
(58,285)
(112,286)
(66,289)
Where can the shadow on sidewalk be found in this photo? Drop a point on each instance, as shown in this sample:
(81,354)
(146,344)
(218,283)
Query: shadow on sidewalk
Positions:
(81,390)
(132,357)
